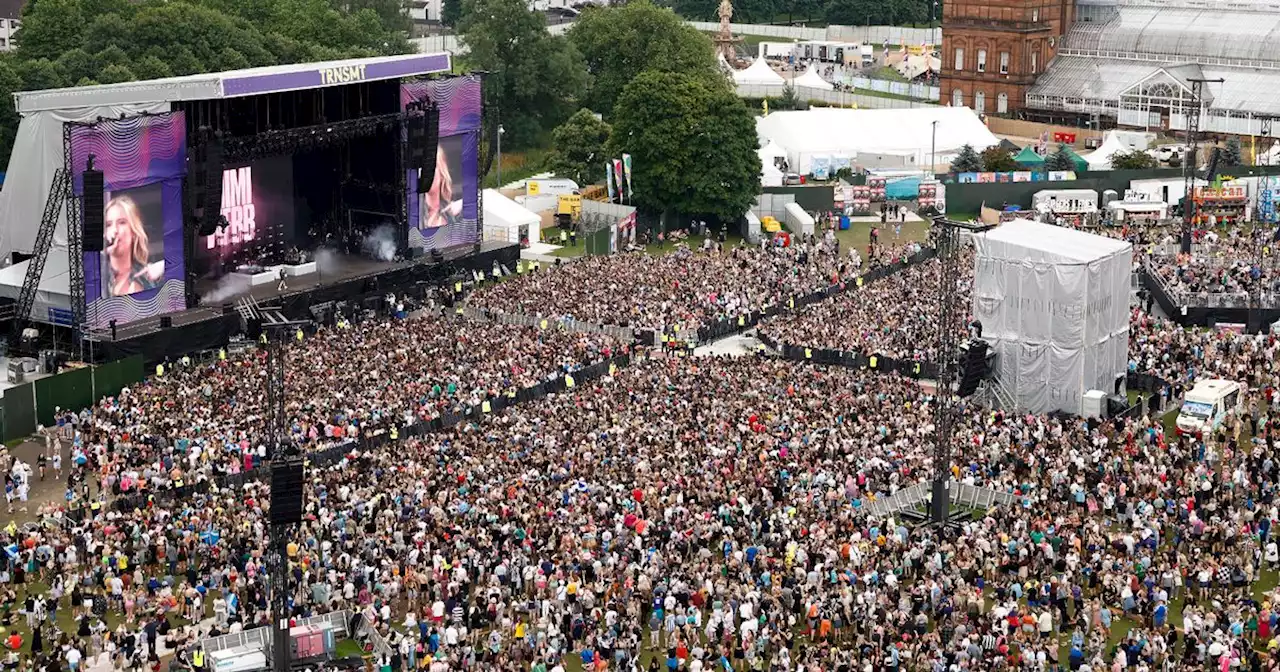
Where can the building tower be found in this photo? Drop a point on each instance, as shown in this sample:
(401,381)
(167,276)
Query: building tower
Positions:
(992,50)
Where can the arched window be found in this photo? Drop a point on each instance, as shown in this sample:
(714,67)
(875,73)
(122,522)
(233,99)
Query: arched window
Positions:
(1002,103)
(979,102)
(957,98)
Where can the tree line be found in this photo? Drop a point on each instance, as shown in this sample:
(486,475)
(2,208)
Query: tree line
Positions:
(633,79)
(66,43)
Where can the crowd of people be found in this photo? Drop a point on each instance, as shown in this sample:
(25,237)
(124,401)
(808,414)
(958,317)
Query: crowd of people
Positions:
(1234,266)
(681,513)
(203,419)
(686,287)
(893,317)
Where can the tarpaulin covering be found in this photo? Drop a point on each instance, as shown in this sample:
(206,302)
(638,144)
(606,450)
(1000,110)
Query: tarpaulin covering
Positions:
(1054,304)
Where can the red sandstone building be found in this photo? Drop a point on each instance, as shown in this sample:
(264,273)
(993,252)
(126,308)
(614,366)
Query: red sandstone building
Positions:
(992,50)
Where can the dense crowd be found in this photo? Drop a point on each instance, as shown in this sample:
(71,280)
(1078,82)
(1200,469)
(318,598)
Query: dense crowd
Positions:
(682,513)
(199,420)
(1231,264)
(687,288)
(709,513)
(894,317)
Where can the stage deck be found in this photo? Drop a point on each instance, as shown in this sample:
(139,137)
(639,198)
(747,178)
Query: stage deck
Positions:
(301,289)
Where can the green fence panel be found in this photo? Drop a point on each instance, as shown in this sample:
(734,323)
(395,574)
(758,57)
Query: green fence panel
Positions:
(132,370)
(19,412)
(70,390)
(106,380)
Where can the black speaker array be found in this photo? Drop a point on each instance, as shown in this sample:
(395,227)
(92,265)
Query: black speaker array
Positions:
(286,492)
(94,188)
(212,187)
(196,179)
(973,366)
(423,138)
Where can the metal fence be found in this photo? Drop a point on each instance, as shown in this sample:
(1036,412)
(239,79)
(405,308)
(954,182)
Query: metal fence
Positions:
(962,494)
(860,34)
(834,98)
(920,91)
(335,621)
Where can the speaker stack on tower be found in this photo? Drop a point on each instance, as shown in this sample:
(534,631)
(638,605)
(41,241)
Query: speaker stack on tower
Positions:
(973,366)
(196,179)
(286,492)
(424,139)
(94,195)
(211,216)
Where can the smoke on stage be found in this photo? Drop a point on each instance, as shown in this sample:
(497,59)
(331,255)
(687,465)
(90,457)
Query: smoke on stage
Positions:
(380,244)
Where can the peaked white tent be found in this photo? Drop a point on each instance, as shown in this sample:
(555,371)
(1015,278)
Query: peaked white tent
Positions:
(811,79)
(758,72)
(1100,159)
(770,175)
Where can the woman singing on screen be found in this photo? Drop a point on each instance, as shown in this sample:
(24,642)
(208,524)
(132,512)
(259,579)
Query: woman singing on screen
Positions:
(438,207)
(126,248)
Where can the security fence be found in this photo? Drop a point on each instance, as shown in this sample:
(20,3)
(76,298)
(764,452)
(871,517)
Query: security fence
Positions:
(623,334)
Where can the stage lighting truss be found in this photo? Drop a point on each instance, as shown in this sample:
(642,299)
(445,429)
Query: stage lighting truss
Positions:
(278,142)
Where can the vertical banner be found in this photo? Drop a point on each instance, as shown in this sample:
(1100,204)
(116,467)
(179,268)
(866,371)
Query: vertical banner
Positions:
(626,173)
(448,213)
(141,270)
(608,178)
(617,176)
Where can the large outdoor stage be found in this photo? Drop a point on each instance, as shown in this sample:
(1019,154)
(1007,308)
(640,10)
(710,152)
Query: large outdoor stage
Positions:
(353,281)
(129,206)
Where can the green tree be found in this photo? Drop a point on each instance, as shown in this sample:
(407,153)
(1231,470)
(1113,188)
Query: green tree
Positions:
(1060,159)
(579,147)
(1135,159)
(619,43)
(789,100)
(535,79)
(996,159)
(1231,154)
(40,74)
(693,143)
(114,74)
(150,67)
(10,82)
(50,28)
(967,161)
(230,59)
(112,55)
(183,62)
(451,12)
(106,30)
(77,63)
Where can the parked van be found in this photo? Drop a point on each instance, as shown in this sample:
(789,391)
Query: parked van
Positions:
(1207,405)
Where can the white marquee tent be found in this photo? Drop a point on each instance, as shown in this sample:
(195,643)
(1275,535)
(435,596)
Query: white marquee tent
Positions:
(812,80)
(503,219)
(758,73)
(1100,159)
(839,133)
(1054,302)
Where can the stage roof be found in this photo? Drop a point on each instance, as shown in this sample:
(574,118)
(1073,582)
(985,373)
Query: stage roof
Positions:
(234,83)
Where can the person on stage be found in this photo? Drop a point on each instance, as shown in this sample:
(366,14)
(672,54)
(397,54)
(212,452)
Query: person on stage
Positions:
(126,248)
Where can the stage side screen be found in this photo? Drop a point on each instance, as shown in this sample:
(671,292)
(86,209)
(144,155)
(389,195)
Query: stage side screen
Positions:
(140,271)
(448,214)
(257,200)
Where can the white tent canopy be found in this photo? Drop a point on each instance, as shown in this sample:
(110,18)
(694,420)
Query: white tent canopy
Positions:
(1100,159)
(503,218)
(1054,302)
(758,72)
(844,133)
(812,80)
(770,175)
